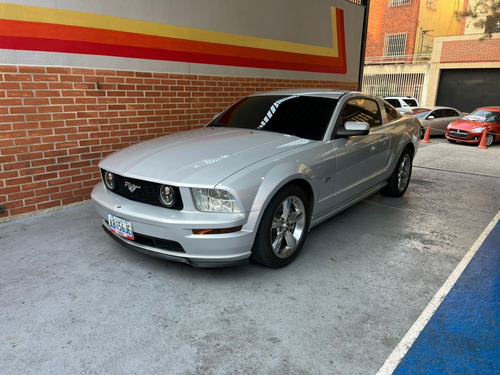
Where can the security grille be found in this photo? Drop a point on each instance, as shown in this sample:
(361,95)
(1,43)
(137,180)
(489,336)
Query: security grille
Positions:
(398,3)
(403,84)
(395,44)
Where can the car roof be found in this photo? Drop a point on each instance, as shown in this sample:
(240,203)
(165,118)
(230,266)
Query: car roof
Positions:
(432,108)
(323,93)
(490,108)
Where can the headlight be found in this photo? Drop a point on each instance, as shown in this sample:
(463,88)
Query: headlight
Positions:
(167,196)
(478,130)
(214,200)
(109,180)
(449,125)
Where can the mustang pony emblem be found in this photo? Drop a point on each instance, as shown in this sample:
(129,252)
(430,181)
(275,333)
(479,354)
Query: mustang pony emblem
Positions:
(131,187)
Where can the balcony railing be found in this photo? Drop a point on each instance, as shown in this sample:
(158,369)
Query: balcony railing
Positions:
(401,59)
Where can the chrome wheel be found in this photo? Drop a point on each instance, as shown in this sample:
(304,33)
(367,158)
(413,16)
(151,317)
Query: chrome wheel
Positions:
(490,138)
(404,172)
(400,176)
(287,229)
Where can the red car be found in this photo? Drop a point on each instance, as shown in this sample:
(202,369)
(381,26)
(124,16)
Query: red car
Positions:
(470,128)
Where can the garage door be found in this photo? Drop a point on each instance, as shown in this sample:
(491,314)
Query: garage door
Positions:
(467,89)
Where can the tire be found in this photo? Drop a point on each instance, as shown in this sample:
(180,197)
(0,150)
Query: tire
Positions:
(490,138)
(282,232)
(400,177)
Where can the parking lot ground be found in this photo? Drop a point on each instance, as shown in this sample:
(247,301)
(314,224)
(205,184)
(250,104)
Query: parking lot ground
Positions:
(463,335)
(72,300)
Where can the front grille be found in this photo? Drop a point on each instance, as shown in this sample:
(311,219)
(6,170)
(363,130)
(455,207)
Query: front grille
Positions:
(158,243)
(459,133)
(146,191)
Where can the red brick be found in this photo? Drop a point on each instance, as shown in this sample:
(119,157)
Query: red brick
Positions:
(19,94)
(47,94)
(14,150)
(58,70)
(36,101)
(34,86)
(27,141)
(23,109)
(10,86)
(18,77)
(45,77)
(29,156)
(19,211)
(31,69)
(50,109)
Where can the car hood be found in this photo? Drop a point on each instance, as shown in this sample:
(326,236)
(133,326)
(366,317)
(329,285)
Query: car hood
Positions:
(202,157)
(468,125)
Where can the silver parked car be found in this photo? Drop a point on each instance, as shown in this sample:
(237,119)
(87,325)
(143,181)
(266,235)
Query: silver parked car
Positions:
(253,182)
(437,118)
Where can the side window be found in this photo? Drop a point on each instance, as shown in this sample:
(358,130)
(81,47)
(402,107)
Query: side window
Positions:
(411,102)
(438,113)
(393,102)
(392,113)
(363,110)
(450,113)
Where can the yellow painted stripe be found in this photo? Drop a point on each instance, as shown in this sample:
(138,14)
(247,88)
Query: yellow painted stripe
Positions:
(73,18)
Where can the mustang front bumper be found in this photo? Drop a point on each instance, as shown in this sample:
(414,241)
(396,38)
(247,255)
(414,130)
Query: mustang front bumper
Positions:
(168,234)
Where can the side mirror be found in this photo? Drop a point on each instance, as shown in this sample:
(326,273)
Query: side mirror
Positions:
(430,118)
(352,128)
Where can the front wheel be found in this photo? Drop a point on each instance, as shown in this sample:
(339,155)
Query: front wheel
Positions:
(490,138)
(400,178)
(283,228)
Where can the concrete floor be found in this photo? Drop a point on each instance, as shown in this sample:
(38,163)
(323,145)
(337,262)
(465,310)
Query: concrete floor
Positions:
(73,301)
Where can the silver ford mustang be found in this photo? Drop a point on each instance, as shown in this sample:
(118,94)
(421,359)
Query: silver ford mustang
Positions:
(253,182)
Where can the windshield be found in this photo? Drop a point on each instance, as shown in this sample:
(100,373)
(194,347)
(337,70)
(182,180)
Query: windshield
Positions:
(303,116)
(482,115)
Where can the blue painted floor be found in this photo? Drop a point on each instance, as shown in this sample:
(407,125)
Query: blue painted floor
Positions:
(463,336)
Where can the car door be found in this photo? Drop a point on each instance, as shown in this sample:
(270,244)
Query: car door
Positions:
(360,160)
(436,121)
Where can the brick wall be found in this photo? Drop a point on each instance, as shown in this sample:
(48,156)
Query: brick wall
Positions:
(464,51)
(56,124)
(391,20)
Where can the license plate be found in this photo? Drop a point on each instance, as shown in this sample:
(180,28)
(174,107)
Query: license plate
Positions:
(120,227)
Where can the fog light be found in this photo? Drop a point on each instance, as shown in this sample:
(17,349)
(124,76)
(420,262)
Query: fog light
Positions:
(109,180)
(167,196)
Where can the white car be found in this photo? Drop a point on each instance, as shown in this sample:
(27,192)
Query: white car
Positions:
(403,104)
(253,182)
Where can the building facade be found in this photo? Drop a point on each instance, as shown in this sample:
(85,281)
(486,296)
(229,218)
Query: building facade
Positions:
(400,42)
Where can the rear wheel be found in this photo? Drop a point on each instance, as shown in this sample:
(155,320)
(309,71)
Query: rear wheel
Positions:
(283,228)
(400,178)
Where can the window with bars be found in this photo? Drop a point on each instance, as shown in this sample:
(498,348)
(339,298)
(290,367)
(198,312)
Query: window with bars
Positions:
(398,3)
(395,44)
